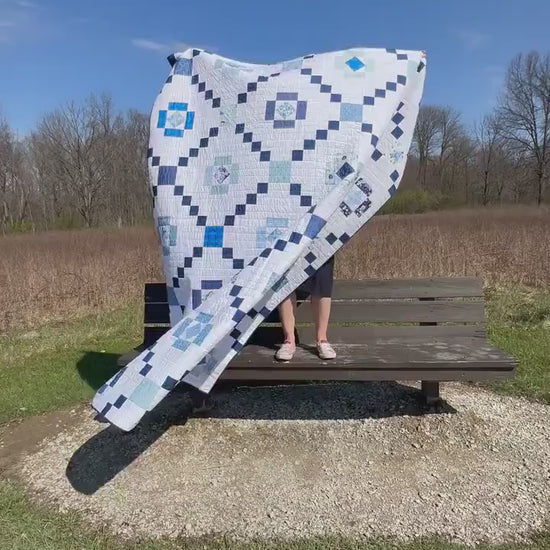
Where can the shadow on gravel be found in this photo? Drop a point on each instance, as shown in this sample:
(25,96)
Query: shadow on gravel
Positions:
(325,401)
(109,452)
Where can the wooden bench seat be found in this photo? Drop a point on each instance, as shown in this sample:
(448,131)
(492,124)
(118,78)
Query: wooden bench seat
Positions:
(430,330)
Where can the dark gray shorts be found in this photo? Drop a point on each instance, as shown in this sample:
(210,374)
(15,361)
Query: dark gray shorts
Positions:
(320,283)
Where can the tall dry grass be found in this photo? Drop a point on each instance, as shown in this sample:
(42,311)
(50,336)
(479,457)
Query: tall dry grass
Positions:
(501,245)
(60,274)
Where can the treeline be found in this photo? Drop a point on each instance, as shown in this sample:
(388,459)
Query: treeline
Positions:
(504,157)
(85,165)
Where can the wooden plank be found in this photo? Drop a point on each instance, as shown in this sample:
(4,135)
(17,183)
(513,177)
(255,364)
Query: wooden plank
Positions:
(365,334)
(372,312)
(399,311)
(269,336)
(296,375)
(451,354)
(155,292)
(376,289)
(436,287)
(156,313)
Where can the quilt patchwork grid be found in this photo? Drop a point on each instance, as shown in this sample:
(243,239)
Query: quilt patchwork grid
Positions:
(259,174)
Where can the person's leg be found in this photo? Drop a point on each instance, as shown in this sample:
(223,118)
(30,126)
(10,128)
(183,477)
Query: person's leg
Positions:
(321,302)
(288,322)
(321,312)
(286,314)
(321,315)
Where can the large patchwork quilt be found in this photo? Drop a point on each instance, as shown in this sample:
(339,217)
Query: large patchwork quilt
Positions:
(259,174)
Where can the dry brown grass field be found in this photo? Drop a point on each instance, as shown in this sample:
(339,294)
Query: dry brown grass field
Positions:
(56,275)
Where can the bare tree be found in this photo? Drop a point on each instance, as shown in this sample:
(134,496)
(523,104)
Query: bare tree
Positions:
(525,110)
(424,142)
(489,140)
(14,194)
(450,135)
(80,139)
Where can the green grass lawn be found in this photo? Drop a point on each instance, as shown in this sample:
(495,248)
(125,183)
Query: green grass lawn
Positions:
(61,364)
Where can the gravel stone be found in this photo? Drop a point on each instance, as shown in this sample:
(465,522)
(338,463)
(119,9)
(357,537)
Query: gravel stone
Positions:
(357,460)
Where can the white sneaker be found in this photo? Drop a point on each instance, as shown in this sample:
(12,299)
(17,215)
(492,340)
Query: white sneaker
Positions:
(285,352)
(325,350)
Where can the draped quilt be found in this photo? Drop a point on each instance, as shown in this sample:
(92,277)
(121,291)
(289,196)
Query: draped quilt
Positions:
(259,174)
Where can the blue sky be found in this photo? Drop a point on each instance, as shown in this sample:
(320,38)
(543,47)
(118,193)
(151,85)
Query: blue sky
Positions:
(54,51)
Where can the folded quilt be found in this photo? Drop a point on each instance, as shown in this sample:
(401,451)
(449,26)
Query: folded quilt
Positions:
(259,174)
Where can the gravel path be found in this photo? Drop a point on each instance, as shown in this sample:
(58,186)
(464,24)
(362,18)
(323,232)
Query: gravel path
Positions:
(356,460)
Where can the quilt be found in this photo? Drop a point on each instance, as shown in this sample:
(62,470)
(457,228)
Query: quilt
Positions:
(259,174)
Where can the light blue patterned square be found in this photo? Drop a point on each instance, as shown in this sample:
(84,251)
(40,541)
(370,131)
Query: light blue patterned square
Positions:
(279,171)
(144,394)
(292,64)
(351,111)
(180,344)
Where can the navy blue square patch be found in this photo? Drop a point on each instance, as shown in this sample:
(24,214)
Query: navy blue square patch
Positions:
(235,290)
(145,369)
(345,170)
(310,257)
(295,237)
(119,402)
(331,238)
(280,244)
(376,154)
(344,237)
(167,175)
(265,252)
(295,188)
(236,303)
(238,315)
(169,383)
